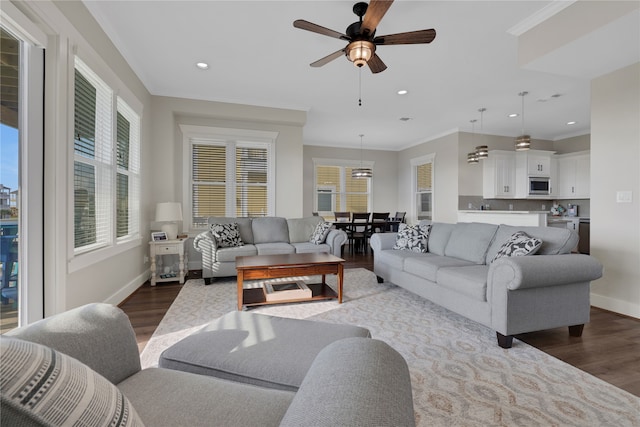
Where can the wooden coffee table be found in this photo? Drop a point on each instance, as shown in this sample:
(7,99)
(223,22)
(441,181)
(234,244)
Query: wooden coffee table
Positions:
(290,265)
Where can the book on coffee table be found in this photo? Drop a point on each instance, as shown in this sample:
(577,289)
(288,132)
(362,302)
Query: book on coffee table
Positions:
(281,291)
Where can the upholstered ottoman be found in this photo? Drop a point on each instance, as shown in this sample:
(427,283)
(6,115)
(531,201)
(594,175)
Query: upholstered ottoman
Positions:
(257,349)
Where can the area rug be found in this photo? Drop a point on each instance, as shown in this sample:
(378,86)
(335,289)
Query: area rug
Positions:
(459,375)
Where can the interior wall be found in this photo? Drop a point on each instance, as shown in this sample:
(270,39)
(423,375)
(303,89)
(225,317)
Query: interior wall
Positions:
(168,113)
(384,182)
(446,167)
(615,155)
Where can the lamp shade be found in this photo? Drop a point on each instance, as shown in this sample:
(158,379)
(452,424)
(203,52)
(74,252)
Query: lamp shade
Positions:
(168,211)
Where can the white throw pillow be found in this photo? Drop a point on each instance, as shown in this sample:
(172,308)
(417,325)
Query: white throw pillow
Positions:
(412,238)
(519,244)
(320,233)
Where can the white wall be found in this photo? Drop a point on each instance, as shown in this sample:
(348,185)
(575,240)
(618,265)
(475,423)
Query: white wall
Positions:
(384,182)
(615,156)
(70,26)
(445,204)
(168,113)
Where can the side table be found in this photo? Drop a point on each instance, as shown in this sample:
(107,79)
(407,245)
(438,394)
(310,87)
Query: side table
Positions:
(168,247)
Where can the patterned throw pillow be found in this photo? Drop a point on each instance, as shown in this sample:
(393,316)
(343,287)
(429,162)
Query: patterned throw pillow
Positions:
(51,388)
(227,235)
(412,238)
(320,233)
(519,244)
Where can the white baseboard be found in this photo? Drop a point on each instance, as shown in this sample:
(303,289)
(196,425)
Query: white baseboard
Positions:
(124,292)
(617,306)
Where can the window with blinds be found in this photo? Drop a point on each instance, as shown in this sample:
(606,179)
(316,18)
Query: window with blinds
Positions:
(423,173)
(105,186)
(229,178)
(336,190)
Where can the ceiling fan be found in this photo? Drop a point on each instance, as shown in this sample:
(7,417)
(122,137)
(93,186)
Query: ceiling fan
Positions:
(362,38)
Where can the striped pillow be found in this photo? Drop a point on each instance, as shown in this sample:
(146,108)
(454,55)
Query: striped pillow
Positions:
(47,387)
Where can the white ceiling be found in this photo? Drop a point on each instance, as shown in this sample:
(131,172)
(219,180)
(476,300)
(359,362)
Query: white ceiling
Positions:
(257,57)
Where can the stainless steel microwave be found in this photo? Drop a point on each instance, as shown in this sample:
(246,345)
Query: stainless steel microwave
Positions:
(539,186)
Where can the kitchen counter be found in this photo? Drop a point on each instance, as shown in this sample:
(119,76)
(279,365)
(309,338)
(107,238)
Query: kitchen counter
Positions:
(523,218)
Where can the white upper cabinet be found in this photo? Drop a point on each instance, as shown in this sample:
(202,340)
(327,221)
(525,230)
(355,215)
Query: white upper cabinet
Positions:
(538,165)
(574,175)
(532,163)
(498,175)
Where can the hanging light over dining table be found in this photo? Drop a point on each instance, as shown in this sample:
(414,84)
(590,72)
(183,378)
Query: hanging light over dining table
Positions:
(361,172)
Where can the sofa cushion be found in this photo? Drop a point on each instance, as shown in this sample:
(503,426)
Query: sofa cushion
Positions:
(519,244)
(275,248)
(554,240)
(470,280)
(41,386)
(439,236)
(308,247)
(227,235)
(270,229)
(244,226)
(395,258)
(320,233)
(300,229)
(427,266)
(230,254)
(470,241)
(173,398)
(412,238)
(267,351)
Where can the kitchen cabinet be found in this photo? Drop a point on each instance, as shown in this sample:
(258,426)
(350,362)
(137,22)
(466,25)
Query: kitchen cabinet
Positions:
(498,175)
(574,175)
(532,163)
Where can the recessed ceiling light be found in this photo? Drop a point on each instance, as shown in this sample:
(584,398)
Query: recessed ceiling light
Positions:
(202,65)
(403,92)
(512,115)
(571,123)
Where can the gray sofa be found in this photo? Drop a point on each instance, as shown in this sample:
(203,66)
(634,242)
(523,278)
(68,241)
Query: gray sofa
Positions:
(263,236)
(510,295)
(352,382)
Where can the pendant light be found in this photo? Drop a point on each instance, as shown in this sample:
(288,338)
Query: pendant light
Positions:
(523,142)
(472,158)
(361,172)
(482,151)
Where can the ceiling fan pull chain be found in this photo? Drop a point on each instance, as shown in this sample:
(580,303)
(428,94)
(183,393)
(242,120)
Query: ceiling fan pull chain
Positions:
(360,87)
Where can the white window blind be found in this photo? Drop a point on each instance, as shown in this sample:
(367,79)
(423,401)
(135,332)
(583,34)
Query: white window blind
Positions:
(229,178)
(93,172)
(106,165)
(336,190)
(423,187)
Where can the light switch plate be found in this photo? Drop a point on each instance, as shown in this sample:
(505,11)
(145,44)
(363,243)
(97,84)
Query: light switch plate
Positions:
(624,197)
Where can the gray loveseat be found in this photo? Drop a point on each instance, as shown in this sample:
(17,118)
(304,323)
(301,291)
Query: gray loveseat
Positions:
(352,382)
(510,295)
(263,236)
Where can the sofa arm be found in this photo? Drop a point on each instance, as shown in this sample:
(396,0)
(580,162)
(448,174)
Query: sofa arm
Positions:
(205,243)
(336,239)
(354,382)
(98,335)
(382,241)
(538,271)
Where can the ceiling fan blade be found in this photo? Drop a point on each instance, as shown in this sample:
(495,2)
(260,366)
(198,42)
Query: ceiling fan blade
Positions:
(322,61)
(411,37)
(375,12)
(315,28)
(375,64)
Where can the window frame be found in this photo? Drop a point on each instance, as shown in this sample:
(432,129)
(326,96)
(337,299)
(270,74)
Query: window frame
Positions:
(343,164)
(228,137)
(415,163)
(120,100)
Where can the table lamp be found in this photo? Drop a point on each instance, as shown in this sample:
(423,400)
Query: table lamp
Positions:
(169,213)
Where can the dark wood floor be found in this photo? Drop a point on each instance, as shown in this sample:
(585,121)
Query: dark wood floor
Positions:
(608,349)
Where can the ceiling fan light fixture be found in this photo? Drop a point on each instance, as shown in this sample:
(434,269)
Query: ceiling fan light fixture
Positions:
(360,52)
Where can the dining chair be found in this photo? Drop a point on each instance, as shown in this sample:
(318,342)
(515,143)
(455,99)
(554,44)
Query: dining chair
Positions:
(359,230)
(379,222)
(398,219)
(342,216)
